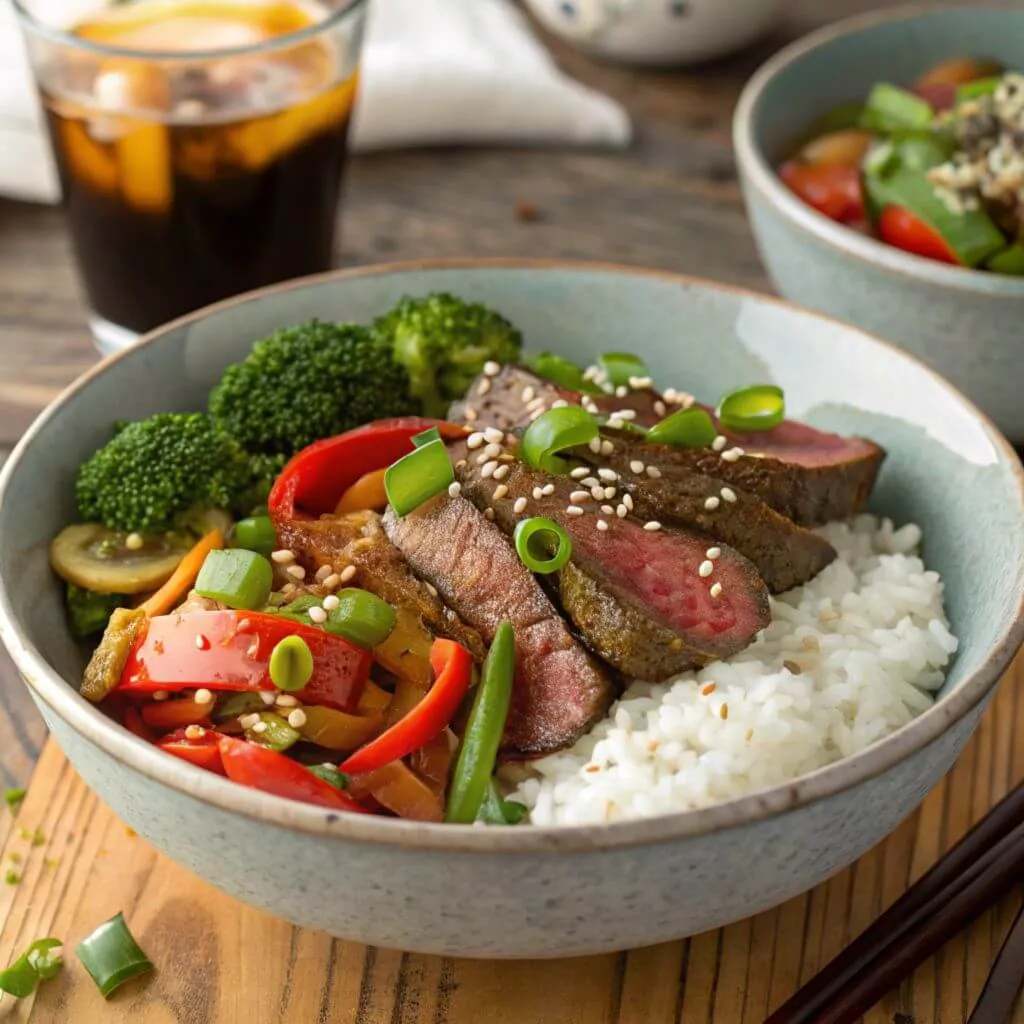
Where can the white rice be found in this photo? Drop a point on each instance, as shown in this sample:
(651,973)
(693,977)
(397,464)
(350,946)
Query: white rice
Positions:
(848,658)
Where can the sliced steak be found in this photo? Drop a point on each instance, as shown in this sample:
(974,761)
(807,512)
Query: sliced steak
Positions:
(560,690)
(648,580)
(786,555)
(358,539)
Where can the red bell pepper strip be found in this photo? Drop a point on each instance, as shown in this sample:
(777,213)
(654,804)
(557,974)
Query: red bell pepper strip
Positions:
(900,228)
(453,667)
(260,768)
(832,189)
(202,751)
(134,724)
(230,650)
(174,714)
(314,480)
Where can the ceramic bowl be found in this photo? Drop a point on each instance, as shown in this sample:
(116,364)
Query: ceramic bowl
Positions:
(657,32)
(532,892)
(963,323)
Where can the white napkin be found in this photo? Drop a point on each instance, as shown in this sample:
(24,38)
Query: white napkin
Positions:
(434,72)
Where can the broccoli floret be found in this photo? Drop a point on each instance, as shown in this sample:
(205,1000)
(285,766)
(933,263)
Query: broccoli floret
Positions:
(264,470)
(444,342)
(308,382)
(89,612)
(153,471)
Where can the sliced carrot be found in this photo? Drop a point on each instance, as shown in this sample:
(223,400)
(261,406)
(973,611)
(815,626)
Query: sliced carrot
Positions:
(367,492)
(163,600)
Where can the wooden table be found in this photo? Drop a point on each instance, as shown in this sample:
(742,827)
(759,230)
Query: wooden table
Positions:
(672,201)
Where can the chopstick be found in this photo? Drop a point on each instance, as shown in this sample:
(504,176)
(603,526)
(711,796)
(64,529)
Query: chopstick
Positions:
(1000,992)
(973,874)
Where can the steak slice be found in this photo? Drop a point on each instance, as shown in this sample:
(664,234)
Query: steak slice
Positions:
(809,475)
(358,539)
(648,580)
(560,690)
(786,555)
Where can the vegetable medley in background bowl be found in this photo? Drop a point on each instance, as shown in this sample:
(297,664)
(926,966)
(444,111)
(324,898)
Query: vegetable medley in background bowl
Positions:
(511,595)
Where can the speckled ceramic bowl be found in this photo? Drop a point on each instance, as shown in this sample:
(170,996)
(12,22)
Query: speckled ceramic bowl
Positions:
(528,892)
(964,323)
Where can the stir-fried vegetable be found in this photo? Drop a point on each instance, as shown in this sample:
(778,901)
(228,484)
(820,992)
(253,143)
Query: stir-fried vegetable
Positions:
(418,476)
(759,407)
(200,747)
(103,673)
(543,545)
(553,432)
(562,372)
(112,956)
(367,492)
(38,963)
(622,369)
(183,576)
(684,428)
(256,533)
(89,612)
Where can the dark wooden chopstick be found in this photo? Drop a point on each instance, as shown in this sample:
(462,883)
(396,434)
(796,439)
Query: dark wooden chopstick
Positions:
(977,854)
(995,1003)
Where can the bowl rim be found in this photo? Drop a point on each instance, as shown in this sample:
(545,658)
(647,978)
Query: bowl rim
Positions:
(47,685)
(760,174)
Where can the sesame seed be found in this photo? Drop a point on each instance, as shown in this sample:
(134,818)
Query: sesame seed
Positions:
(347,573)
(489,514)
(492,435)
(538,493)
(482,458)
(579,472)
(616,422)
(559,403)
(548,490)
(716,589)
(594,444)
(637,466)
(627,500)
(589,404)
(160,695)
(712,503)
(537,404)
(283,557)
(732,454)
(607,447)
(519,506)
(475,440)
(454,489)
(297,719)
(578,497)
(724,711)
(318,615)
(286,700)
(609,493)
(574,510)
(431,589)
(461,464)
(501,472)
(505,457)
(597,491)
(470,415)
(590,481)
(652,525)
(713,553)
(626,414)
(499,492)
(602,525)
(259,727)
(660,408)
(194,732)
(536,413)
(640,382)
(492,451)
(608,510)
(243,624)
(709,689)
(488,468)
(728,493)
(491,368)
(621,391)
(202,643)
(331,602)
(707,567)
(267,696)
(203,696)
(248,721)
(621,511)
(484,386)
(607,474)
(134,541)
(719,443)
(323,572)
(296,571)
(528,393)
(653,472)
(333,581)
(253,649)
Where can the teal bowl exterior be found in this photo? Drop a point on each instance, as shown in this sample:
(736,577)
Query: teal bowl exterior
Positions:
(535,892)
(965,324)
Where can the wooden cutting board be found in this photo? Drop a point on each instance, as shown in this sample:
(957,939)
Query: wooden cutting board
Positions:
(220,962)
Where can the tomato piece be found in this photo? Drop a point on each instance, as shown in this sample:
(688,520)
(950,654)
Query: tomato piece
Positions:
(901,229)
(202,751)
(832,189)
(259,768)
(175,714)
(230,650)
(941,95)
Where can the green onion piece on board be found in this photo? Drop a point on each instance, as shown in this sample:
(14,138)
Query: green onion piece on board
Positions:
(256,533)
(236,577)
(13,798)
(562,372)
(330,775)
(112,956)
(361,618)
(276,733)
(425,437)
(890,108)
(291,663)
(759,407)
(685,428)
(619,367)
(417,477)
(543,545)
(478,751)
(496,810)
(977,89)
(38,963)
(554,431)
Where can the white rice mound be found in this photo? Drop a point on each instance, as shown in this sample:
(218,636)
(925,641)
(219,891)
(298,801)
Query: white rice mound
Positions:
(848,658)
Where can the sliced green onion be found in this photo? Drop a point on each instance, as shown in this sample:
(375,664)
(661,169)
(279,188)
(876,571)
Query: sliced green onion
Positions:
(361,618)
(624,426)
(554,431)
(38,963)
(112,956)
(13,798)
(977,89)
(236,577)
(418,476)
(890,108)
(759,407)
(562,372)
(1009,261)
(685,428)
(619,367)
(276,733)
(425,437)
(256,533)
(496,810)
(291,663)
(922,153)
(235,705)
(330,774)
(542,544)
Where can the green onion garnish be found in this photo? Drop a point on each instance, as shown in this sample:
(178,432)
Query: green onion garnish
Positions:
(542,544)
(329,774)
(620,367)
(554,431)
(291,663)
(685,428)
(496,810)
(561,372)
(425,437)
(236,577)
(256,533)
(112,956)
(276,733)
(759,407)
(890,108)
(38,963)
(977,89)
(13,798)
(361,617)
(418,476)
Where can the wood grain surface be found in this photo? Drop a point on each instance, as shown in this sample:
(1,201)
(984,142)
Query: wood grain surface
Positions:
(219,961)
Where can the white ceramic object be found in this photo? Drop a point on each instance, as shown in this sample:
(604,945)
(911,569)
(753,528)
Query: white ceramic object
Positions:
(657,32)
